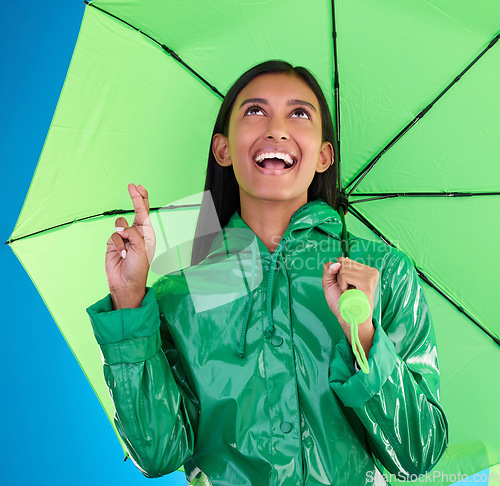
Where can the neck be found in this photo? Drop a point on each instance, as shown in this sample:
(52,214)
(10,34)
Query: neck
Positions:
(269,219)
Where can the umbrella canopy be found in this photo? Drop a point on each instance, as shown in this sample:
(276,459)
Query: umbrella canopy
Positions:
(413,89)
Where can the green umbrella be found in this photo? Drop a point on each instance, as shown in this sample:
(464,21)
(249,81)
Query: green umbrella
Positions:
(414,89)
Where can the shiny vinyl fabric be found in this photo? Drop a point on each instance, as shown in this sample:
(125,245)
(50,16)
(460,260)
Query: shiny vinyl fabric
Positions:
(238,369)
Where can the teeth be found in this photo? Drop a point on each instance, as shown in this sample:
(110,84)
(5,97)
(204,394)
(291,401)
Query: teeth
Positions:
(275,155)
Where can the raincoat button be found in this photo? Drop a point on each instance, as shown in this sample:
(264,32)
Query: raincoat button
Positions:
(286,427)
(277,341)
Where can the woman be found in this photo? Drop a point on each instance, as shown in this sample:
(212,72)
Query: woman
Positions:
(240,367)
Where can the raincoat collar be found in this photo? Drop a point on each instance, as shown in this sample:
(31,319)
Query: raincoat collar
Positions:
(315,214)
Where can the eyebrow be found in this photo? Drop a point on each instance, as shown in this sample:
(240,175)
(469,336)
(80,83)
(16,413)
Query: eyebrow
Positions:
(290,102)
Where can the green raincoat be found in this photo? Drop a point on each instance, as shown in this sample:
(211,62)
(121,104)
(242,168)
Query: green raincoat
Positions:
(238,369)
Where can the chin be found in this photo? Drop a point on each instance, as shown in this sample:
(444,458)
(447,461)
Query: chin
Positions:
(280,196)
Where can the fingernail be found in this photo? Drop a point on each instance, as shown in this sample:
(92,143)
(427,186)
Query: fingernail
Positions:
(334,266)
(124,254)
(127,245)
(119,228)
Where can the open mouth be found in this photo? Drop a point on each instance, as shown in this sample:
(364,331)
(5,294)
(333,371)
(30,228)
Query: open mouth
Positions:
(275,161)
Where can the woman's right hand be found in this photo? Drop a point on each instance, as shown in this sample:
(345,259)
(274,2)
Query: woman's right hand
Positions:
(129,253)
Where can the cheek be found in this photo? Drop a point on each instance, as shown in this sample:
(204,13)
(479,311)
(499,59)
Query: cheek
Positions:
(311,147)
(308,135)
(240,143)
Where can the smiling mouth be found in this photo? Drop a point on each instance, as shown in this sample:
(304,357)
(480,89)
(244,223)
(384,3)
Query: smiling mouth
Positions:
(275,161)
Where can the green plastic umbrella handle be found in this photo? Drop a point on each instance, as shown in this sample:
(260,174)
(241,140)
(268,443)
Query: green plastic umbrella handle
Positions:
(354,305)
(355,309)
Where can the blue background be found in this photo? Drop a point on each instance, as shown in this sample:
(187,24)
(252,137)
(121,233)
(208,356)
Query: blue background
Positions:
(54,431)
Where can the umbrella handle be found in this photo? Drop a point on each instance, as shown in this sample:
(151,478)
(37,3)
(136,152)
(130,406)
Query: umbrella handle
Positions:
(354,306)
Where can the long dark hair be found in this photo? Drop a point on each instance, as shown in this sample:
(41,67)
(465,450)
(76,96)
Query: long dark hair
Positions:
(221,181)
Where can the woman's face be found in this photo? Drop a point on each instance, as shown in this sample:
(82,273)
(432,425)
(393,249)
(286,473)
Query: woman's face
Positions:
(274,140)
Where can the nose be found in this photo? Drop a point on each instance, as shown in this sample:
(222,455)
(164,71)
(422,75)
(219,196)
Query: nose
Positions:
(276,130)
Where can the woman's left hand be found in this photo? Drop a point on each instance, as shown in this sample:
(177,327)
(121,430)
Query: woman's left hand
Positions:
(347,274)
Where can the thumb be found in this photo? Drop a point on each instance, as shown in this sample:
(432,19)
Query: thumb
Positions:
(133,236)
(331,287)
(330,274)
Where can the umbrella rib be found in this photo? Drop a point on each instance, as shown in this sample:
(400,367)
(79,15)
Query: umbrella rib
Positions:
(105,213)
(388,195)
(362,174)
(425,278)
(164,47)
(336,103)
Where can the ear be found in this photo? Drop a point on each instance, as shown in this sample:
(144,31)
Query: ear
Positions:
(220,149)
(326,157)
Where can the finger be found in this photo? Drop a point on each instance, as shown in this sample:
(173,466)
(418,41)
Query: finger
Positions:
(121,223)
(340,269)
(330,285)
(345,261)
(119,244)
(133,236)
(330,271)
(144,194)
(140,208)
(358,274)
(343,283)
(334,268)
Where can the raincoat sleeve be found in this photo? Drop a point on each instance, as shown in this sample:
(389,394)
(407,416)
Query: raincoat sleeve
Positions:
(155,410)
(398,400)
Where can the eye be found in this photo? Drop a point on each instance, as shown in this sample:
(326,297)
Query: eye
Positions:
(254,110)
(301,113)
